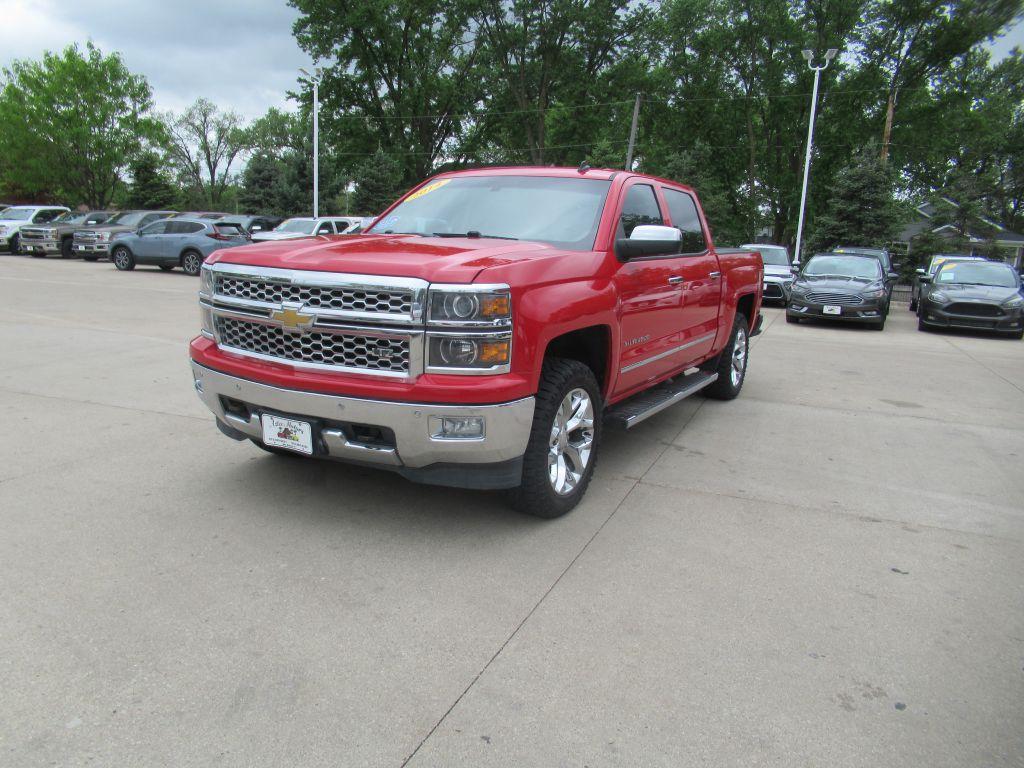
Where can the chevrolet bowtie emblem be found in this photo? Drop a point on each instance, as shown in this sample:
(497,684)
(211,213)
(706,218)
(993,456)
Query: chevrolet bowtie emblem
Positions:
(292,318)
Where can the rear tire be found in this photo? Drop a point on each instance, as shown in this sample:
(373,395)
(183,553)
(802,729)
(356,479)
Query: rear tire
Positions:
(562,451)
(67,249)
(732,362)
(91,257)
(192,262)
(123,259)
(166,267)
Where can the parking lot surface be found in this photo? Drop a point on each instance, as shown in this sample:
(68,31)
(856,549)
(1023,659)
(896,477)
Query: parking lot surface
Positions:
(826,571)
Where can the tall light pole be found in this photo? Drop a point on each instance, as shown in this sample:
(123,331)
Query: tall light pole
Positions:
(809,56)
(315,80)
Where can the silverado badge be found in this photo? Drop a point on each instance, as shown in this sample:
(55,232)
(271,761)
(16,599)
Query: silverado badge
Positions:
(292,319)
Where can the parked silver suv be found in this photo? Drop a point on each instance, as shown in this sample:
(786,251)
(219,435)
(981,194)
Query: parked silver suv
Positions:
(177,242)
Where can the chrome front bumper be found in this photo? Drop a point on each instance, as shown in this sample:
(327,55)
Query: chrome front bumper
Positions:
(41,245)
(506,430)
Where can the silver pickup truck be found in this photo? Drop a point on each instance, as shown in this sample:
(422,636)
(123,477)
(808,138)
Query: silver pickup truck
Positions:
(57,236)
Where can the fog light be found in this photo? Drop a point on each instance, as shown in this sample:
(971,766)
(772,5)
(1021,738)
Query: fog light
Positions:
(456,427)
(199,386)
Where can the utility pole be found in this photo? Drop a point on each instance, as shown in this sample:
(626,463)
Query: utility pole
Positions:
(315,80)
(632,134)
(809,55)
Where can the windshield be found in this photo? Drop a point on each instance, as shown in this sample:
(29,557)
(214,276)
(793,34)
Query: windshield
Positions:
(127,219)
(562,211)
(975,273)
(774,255)
(302,226)
(938,261)
(861,267)
(70,218)
(18,214)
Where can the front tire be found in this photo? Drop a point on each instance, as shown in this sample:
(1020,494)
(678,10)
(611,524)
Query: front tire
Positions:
(66,249)
(191,262)
(123,259)
(792,319)
(732,362)
(921,326)
(91,257)
(14,243)
(562,450)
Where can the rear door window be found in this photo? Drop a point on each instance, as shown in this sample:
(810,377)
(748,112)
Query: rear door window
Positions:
(325,229)
(640,207)
(157,228)
(683,211)
(230,230)
(190,227)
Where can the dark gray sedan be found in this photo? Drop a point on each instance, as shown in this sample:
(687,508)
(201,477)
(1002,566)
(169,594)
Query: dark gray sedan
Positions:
(982,295)
(176,242)
(833,286)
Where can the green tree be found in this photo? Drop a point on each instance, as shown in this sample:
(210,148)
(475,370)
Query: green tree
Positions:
(205,142)
(403,76)
(150,187)
(262,181)
(862,209)
(378,184)
(74,121)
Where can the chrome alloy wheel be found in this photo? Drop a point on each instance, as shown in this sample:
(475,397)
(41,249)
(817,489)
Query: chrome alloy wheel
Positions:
(739,357)
(122,259)
(572,438)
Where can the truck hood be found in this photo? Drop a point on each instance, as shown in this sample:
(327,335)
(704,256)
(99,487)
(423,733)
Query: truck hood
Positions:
(435,259)
(272,235)
(112,228)
(776,270)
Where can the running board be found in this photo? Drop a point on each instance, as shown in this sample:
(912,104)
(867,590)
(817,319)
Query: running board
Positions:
(631,412)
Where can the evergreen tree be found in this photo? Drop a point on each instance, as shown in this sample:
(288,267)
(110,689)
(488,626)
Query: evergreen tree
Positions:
(378,184)
(862,209)
(261,186)
(150,188)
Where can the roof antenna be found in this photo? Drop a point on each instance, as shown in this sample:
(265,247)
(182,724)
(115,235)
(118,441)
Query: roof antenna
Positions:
(584,167)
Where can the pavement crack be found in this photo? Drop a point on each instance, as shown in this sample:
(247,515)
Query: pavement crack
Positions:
(549,590)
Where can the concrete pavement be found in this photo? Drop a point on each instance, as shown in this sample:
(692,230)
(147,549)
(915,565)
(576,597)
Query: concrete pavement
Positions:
(826,571)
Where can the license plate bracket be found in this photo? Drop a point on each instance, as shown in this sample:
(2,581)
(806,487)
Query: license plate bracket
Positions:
(288,433)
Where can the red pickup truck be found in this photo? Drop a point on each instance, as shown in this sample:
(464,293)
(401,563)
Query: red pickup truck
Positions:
(482,331)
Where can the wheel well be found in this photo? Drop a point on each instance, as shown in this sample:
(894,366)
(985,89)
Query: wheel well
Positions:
(590,346)
(187,250)
(745,304)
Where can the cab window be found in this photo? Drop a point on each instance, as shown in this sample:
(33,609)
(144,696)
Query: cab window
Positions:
(683,211)
(47,215)
(325,229)
(640,207)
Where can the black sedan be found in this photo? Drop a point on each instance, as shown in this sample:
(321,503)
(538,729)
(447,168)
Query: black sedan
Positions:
(984,295)
(834,286)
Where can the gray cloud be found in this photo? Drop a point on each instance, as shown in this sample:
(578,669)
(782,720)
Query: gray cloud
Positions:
(239,54)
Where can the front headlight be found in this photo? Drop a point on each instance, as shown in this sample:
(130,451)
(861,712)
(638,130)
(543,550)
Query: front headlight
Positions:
(1014,301)
(103,236)
(938,297)
(482,353)
(798,290)
(3,230)
(206,281)
(482,306)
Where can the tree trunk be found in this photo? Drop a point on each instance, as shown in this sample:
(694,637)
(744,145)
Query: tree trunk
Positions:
(890,108)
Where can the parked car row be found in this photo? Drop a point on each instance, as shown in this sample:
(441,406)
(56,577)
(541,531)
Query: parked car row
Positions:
(166,239)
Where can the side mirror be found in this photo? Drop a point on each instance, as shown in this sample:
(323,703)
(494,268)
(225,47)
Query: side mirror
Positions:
(256,228)
(649,240)
(919,270)
(926,278)
(794,269)
(894,276)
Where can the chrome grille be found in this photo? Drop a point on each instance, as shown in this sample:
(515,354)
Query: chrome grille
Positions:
(341,350)
(35,233)
(86,236)
(393,302)
(830,297)
(773,291)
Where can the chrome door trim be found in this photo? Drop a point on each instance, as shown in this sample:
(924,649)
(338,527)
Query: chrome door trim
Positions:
(662,355)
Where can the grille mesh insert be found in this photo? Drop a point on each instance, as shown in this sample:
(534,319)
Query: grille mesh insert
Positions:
(390,302)
(351,351)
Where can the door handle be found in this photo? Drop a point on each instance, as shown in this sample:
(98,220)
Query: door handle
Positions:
(675,280)
(715,275)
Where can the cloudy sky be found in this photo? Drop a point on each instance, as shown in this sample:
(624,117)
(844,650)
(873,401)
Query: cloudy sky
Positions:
(238,53)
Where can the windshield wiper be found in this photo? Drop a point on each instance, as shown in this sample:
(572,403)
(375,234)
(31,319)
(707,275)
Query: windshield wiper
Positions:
(474,234)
